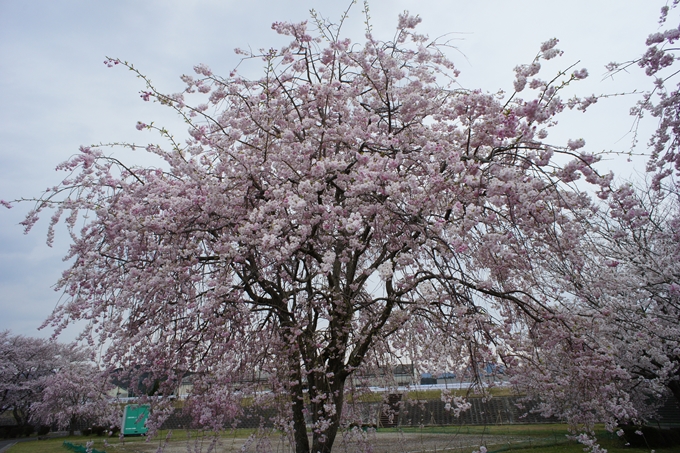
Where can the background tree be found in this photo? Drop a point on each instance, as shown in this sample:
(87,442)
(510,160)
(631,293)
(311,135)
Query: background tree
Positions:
(39,377)
(350,207)
(642,253)
(629,292)
(24,363)
(662,100)
(625,288)
(633,283)
(618,360)
(77,392)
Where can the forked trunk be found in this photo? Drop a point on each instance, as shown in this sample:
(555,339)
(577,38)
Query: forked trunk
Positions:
(323,413)
(19,416)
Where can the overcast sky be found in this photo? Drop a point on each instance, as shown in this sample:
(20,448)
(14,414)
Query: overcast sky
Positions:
(56,94)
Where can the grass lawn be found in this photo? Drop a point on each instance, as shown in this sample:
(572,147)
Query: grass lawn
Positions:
(577,448)
(51,445)
(129,444)
(548,438)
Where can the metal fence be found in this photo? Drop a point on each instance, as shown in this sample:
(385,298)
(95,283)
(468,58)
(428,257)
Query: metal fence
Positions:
(396,412)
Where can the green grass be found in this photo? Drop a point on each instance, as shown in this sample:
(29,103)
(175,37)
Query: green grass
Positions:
(55,445)
(552,439)
(548,438)
(536,430)
(52,445)
(573,447)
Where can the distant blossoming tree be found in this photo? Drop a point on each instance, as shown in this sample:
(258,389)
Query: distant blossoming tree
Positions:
(350,207)
(641,298)
(625,287)
(663,99)
(77,392)
(618,360)
(634,282)
(24,362)
(39,380)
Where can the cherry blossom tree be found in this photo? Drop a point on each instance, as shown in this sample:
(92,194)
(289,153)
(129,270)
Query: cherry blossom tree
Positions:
(643,240)
(626,289)
(662,101)
(642,253)
(617,360)
(351,207)
(630,288)
(39,381)
(24,362)
(77,392)
(621,350)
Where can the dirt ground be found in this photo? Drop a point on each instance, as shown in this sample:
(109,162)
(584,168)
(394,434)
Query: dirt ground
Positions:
(377,442)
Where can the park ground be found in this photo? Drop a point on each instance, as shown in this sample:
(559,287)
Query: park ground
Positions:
(548,438)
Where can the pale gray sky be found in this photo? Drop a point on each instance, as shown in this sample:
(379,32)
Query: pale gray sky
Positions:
(56,94)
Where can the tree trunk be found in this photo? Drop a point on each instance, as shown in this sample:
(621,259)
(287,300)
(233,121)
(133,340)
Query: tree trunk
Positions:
(322,441)
(298,402)
(674,386)
(72,426)
(21,418)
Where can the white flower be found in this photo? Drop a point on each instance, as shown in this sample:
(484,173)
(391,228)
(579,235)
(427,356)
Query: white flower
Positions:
(576,144)
(386,270)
